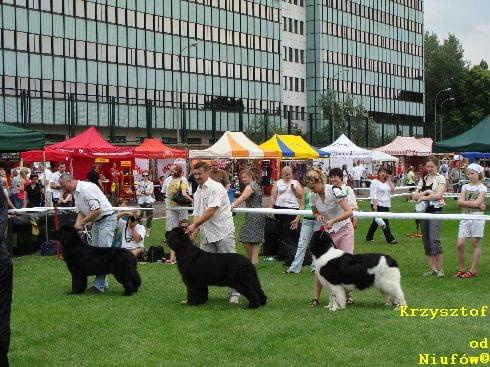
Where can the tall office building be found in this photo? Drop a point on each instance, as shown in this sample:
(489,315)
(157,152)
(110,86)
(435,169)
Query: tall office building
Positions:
(160,63)
(188,67)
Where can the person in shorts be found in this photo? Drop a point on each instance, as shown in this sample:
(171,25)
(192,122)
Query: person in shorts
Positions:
(472,201)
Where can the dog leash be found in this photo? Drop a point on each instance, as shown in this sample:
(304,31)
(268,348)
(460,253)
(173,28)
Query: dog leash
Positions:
(57,228)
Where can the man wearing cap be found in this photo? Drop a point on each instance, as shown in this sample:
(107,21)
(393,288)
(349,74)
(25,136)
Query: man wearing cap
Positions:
(92,206)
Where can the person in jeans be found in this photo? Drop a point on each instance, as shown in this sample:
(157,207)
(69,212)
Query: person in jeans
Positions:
(213,217)
(92,206)
(6,281)
(309,225)
(381,189)
(14,191)
(430,191)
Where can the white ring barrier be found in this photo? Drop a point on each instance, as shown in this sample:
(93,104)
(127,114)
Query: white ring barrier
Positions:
(43,209)
(358,214)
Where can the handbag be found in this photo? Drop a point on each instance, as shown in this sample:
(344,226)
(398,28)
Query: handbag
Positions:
(179,198)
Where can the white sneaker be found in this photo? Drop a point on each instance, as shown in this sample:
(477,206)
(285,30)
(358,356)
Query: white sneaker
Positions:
(235,300)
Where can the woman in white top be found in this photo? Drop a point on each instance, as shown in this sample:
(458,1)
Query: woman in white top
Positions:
(145,198)
(286,194)
(381,189)
(331,208)
(430,191)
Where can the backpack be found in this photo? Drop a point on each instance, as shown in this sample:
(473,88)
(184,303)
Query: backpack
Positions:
(156,253)
(48,248)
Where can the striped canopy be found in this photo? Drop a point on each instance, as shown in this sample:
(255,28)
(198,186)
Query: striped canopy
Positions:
(232,144)
(407,145)
(291,147)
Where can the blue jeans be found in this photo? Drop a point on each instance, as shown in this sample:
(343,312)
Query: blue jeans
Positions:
(308,227)
(16,201)
(102,236)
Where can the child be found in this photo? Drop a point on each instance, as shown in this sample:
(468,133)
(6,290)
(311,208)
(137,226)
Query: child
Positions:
(472,200)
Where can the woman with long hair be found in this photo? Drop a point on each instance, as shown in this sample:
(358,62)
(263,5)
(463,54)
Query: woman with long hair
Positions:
(252,232)
(174,216)
(381,189)
(331,208)
(430,191)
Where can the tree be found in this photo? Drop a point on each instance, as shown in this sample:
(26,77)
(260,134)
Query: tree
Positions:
(256,129)
(341,112)
(484,64)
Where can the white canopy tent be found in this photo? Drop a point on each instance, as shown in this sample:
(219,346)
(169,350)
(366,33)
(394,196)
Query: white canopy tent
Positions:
(344,151)
(383,157)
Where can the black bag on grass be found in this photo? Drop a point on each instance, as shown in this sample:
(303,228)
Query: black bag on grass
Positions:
(156,253)
(48,248)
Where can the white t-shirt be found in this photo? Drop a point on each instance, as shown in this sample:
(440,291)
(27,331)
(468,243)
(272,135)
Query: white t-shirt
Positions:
(471,192)
(89,197)
(381,192)
(212,194)
(47,175)
(330,208)
(285,196)
(357,173)
(351,197)
(144,192)
(55,177)
(126,239)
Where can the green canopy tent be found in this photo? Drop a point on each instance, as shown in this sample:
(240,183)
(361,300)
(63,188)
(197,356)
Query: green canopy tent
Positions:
(16,139)
(476,139)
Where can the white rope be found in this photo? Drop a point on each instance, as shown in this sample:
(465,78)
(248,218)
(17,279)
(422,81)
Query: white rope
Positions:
(42,209)
(358,214)
(396,188)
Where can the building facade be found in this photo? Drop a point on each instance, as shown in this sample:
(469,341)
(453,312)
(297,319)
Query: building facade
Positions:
(186,68)
(163,63)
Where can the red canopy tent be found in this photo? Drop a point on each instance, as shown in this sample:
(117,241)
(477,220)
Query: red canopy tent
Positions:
(82,149)
(90,144)
(155,149)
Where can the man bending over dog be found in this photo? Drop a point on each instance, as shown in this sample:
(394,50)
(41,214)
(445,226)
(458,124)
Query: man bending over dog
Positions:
(92,206)
(212,215)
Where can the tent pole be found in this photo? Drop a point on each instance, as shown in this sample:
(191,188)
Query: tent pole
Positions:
(45,198)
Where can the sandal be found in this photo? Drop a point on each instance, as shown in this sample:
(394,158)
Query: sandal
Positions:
(394,242)
(468,274)
(459,273)
(349,300)
(314,302)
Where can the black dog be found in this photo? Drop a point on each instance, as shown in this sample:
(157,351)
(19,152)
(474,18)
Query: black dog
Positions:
(83,260)
(342,272)
(200,269)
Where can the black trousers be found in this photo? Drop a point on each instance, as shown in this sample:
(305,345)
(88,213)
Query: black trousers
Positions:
(6,282)
(374,226)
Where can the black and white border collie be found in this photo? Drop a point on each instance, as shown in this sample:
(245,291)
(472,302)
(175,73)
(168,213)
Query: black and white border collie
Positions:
(342,272)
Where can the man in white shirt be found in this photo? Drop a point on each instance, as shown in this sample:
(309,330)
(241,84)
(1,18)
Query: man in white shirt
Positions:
(213,217)
(54,184)
(357,172)
(92,206)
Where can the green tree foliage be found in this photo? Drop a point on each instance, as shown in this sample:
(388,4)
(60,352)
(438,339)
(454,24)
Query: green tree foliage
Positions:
(342,112)
(445,67)
(256,129)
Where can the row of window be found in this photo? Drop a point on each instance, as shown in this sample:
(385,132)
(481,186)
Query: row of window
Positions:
(413,4)
(347,86)
(293,84)
(371,38)
(297,112)
(244,7)
(186,29)
(293,25)
(377,66)
(293,55)
(377,15)
(295,2)
(128,56)
(44,88)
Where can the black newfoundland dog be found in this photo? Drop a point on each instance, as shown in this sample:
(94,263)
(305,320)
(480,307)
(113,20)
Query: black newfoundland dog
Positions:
(200,269)
(342,272)
(84,260)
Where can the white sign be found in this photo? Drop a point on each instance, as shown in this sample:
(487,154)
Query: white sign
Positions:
(163,166)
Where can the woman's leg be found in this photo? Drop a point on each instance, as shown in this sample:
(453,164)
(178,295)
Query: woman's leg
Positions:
(387,230)
(461,253)
(248,248)
(255,253)
(476,254)
(317,288)
(372,229)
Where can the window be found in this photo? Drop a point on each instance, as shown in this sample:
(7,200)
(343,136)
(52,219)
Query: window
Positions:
(301,27)
(45,44)
(8,39)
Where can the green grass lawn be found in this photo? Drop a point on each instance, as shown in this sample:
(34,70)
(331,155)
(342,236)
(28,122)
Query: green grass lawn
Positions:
(52,328)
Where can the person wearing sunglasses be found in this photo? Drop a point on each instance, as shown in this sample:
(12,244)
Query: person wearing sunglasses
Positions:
(331,208)
(145,198)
